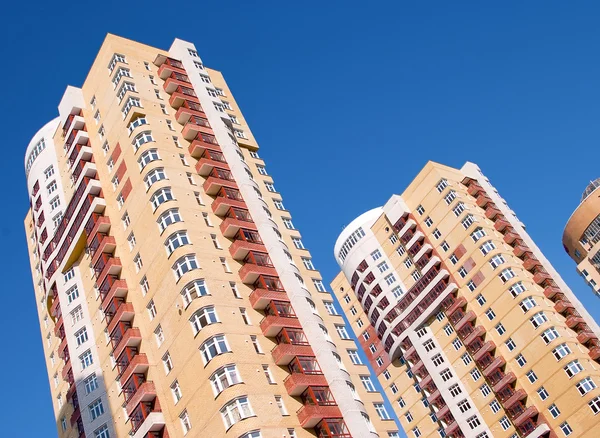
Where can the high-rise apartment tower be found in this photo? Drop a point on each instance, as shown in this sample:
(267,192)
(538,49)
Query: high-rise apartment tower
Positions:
(471,331)
(581,237)
(175,295)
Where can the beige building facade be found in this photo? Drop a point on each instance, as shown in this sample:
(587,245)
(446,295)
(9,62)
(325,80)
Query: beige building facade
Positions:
(470,329)
(175,295)
(581,238)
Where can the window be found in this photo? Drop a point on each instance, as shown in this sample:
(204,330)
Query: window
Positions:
(495,406)
(282,410)
(487,247)
(429,345)
(448,329)
(485,390)
(554,411)
(464,406)
(167,218)
(538,319)
(367,383)
(475,374)
(137,260)
(96,409)
(342,332)
(585,385)
(428,222)
(147,157)
(153,176)
(185,264)
(531,376)
(213,347)
(176,391)
(308,264)
(490,314)
(51,188)
(245,316)
(383,266)
(401,402)
(235,411)
(381,411)
(437,234)
(55,203)
(446,375)
(81,336)
(477,234)
(455,390)
(468,221)
(445,246)
(517,288)
(573,368)
(437,359)
(451,196)
(76,315)
(480,300)
(69,275)
(203,317)
(504,423)
(420,210)
(496,261)
(102,432)
(176,240)
(416,432)
(90,383)
(460,207)
(408,262)
(473,422)
(86,359)
(125,219)
(132,102)
(161,196)
(151,309)
(144,285)
(543,393)
(186,424)
(72,294)
(400,250)
(527,304)
(224,377)
(268,375)
(123,89)
(354,357)
(566,429)
(594,405)
(159,334)
(389,279)
(506,275)
(167,362)
(330,307)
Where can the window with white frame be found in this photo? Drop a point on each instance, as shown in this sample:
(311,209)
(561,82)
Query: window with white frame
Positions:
(214,346)
(203,317)
(176,240)
(161,196)
(185,264)
(236,410)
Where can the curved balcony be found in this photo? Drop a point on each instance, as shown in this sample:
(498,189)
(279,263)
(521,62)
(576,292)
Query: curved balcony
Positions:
(551,291)
(137,365)
(250,272)
(124,312)
(469,316)
(206,164)
(131,338)
(310,415)
(458,303)
(230,226)
(563,305)
(144,393)
(506,380)
(495,364)
(213,184)
(296,383)
(198,126)
(284,353)
(451,428)
(167,66)
(510,237)
(260,298)
(426,381)
(442,412)
(417,367)
(271,324)
(189,110)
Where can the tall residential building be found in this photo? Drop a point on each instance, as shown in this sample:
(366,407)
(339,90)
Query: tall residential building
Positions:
(175,295)
(581,237)
(470,329)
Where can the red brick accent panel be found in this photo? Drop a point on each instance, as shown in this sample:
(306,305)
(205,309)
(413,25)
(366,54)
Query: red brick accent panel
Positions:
(121,171)
(460,251)
(478,278)
(116,153)
(126,189)
(372,357)
(469,264)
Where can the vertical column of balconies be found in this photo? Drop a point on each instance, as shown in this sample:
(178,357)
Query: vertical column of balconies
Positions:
(280,323)
(562,305)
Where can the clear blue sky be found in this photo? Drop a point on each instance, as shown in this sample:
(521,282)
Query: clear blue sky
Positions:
(348,101)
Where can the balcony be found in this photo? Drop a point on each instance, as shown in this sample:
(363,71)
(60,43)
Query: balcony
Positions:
(434,396)
(131,338)
(510,237)
(271,324)
(284,353)
(75,416)
(528,413)
(550,291)
(491,212)
(442,412)
(541,277)
(146,417)
(96,224)
(62,346)
(176,80)
(531,263)
(458,303)
(200,145)
(250,272)
(506,380)
(296,383)
(124,312)
(521,249)
(144,393)
(594,353)
(188,110)
(182,94)
(107,265)
(222,203)
(501,224)
(106,245)
(495,364)
(426,381)
(81,154)
(477,332)
(240,248)
(260,298)
(586,336)
(483,200)
(209,161)
(213,184)
(469,316)
(562,305)
(67,369)
(573,321)
(417,367)
(474,188)
(310,415)
(487,347)
(451,428)
(516,396)
(137,365)
(198,127)
(231,225)
(110,288)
